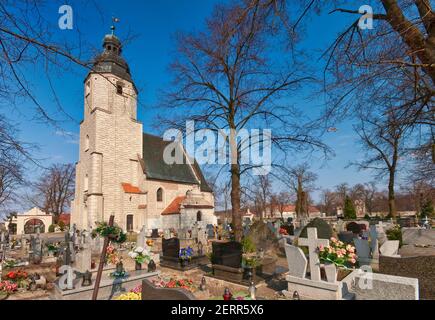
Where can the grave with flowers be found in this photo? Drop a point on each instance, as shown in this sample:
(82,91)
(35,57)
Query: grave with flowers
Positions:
(178,258)
(333,274)
(118,271)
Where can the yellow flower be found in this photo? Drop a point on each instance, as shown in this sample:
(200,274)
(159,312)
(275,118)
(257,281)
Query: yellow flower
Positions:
(130,296)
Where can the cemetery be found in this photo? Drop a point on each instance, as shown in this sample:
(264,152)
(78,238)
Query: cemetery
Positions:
(267,171)
(317,262)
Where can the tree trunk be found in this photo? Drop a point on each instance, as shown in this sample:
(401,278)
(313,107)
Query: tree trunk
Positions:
(299,199)
(235,202)
(391,196)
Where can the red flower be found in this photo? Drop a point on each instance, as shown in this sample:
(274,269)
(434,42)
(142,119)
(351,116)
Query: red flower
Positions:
(11,275)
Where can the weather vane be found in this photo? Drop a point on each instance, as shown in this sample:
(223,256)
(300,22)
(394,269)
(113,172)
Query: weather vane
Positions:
(114,20)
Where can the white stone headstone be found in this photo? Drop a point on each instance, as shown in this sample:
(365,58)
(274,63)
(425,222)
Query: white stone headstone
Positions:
(390,248)
(296,260)
(83,259)
(140,242)
(312,242)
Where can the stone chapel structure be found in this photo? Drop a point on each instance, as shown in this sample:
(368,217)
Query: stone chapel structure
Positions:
(121,170)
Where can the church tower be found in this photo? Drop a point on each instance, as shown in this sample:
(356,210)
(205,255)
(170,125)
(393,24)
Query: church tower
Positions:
(110,141)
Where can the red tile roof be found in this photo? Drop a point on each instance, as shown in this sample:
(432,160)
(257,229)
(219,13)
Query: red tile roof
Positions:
(128,188)
(174,207)
(65,218)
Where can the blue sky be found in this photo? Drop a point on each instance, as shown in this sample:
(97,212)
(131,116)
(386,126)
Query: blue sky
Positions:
(155,23)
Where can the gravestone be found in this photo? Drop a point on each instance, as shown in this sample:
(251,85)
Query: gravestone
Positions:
(362,251)
(140,242)
(296,260)
(313,242)
(83,259)
(374,242)
(227,254)
(354,227)
(419,267)
(390,248)
(150,292)
(380,286)
(171,247)
(313,288)
(346,237)
(417,236)
(171,256)
(324,230)
(227,261)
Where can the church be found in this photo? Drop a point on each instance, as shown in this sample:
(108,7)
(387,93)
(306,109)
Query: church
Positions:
(121,170)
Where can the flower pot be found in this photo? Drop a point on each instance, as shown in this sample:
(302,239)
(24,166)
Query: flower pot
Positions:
(184,263)
(137,266)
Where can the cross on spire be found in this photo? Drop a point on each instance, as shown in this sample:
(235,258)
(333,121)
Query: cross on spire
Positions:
(114,20)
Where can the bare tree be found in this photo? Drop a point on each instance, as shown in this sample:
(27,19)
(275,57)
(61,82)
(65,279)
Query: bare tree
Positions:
(392,65)
(328,202)
(55,189)
(342,191)
(369,196)
(262,195)
(225,78)
(13,153)
(382,138)
(301,180)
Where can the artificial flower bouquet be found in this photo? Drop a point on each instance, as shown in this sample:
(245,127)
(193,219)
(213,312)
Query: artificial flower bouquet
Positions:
(112,256)
(173,282)
(114,233)
(140,255)
(338,253)
(186,254)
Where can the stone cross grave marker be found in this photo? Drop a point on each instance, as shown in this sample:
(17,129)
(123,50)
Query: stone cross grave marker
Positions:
(312,242)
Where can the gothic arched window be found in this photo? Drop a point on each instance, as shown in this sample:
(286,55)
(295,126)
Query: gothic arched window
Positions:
(160,195)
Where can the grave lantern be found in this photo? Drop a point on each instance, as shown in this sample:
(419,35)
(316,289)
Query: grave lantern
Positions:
(252,290)
(203,285)
(296,296)
(227,294)
(152,266)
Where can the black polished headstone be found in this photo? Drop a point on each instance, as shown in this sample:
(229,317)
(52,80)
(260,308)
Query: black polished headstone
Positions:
(171,247)
(155,233)
(227,254)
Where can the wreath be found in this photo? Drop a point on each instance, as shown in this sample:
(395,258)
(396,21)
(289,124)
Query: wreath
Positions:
(114,233)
